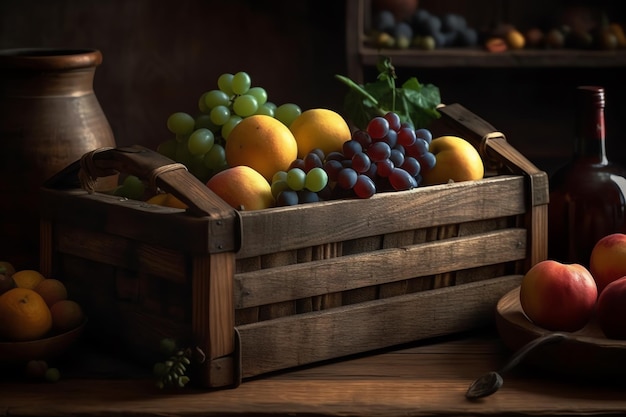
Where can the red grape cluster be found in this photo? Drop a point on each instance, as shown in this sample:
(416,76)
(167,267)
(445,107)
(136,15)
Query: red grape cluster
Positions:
(386,156)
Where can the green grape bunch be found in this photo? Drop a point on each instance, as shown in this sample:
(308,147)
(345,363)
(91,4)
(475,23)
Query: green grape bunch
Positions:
(199,141)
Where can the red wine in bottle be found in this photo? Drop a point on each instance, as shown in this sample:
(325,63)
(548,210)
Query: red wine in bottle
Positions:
(588,194)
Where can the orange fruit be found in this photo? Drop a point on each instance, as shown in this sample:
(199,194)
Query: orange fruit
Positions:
(263,143)
(24,315)
(66,315)
(28,278)
(51,290)
(320,128)
(243,188)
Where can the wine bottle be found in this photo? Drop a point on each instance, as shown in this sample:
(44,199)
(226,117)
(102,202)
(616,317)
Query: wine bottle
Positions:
(587,194)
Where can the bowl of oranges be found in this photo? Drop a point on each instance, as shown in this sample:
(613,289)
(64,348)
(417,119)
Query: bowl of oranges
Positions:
(37,318)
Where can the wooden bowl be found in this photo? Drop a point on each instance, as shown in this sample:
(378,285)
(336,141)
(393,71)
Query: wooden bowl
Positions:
(586,353)
(47,348)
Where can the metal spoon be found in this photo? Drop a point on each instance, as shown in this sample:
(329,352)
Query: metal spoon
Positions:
(492,381)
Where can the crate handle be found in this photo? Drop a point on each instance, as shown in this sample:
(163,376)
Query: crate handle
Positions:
(496,152)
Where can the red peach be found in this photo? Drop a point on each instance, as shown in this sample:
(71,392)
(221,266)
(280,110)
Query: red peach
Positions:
(608,259)
(558,296)
(611,309)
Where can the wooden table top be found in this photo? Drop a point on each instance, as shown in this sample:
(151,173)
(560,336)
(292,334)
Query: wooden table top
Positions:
(425,379)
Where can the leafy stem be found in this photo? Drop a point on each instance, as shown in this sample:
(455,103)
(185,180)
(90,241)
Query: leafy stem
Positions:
(415,103)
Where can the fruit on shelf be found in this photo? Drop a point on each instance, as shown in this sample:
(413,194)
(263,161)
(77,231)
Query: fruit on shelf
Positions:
(262,143)
(399,9)
(558,296)
(422,30)
(457,160)
(243,188)
(611,309)
(320,128)
(607,261)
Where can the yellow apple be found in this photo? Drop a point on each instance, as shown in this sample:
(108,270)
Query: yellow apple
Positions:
(457,160)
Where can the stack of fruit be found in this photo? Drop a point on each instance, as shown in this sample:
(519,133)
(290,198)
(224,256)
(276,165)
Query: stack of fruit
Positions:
(33,307)
(421,30)
(262,156)
(566,297)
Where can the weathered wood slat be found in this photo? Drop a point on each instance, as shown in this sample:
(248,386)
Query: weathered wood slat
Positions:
(136,220)
(298,340)
(291,282)
(122,252)
(337,221)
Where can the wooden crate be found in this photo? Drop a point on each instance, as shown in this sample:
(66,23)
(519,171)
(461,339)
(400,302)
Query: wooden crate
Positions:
(268,290)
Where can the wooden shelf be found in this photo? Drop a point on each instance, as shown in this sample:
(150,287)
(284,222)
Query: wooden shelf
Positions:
(477,58)
(360,55)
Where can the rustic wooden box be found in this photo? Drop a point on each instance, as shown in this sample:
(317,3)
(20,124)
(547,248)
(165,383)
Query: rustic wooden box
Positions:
(269,290)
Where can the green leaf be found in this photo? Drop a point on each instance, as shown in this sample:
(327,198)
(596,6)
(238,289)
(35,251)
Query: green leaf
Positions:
(415,103)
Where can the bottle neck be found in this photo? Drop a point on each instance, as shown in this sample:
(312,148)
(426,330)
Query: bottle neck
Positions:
(590,141)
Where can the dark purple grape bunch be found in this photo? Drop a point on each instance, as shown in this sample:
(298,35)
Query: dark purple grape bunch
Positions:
(388,155)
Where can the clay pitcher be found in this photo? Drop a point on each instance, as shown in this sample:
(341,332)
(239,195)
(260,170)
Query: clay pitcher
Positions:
(49,118)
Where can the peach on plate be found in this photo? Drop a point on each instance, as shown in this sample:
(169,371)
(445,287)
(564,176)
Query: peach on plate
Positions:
(558,296)
(608,259)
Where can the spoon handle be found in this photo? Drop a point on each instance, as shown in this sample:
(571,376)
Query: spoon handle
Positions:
(519,355)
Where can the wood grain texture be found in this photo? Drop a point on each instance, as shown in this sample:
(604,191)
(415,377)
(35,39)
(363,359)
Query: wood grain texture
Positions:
(425,379)
(307,338)
(375,267)
(341,220)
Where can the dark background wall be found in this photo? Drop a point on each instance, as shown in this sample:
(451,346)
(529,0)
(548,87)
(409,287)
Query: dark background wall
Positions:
(159,57)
